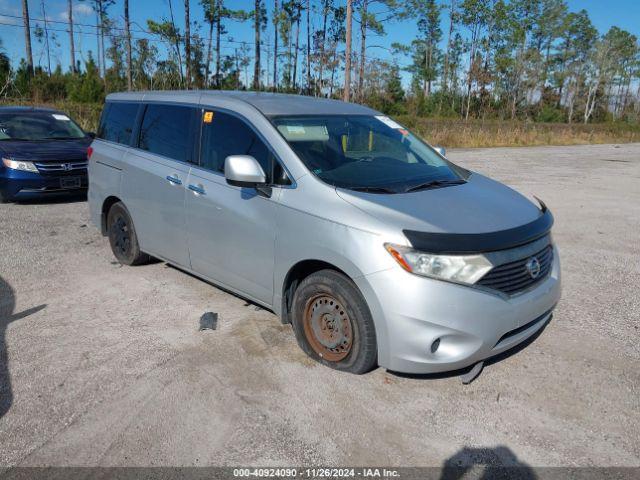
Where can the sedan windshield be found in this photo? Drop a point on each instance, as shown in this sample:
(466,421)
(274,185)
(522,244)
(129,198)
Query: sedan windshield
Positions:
(367,153)
(38,126)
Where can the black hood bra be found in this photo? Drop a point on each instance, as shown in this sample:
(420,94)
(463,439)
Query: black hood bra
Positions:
(461,243)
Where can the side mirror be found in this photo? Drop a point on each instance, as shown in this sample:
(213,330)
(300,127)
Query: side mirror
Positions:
(244,171)
(441,150)
(91,135)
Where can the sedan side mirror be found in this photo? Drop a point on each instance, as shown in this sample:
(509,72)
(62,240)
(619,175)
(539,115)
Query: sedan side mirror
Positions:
(441,150)
(244,171)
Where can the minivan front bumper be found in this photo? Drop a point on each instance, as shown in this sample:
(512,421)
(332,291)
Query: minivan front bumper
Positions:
(467,324)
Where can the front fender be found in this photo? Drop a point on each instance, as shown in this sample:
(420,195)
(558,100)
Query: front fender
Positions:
(303,237)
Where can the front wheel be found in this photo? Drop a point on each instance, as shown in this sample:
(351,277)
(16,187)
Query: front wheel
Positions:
(4,198)
(333,324)
(123,238)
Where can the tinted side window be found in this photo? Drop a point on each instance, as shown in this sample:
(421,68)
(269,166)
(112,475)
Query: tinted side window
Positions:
(165,131)
(117,121)
(226,135)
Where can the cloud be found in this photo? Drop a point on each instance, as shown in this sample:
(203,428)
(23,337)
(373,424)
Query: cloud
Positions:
(79,10)
(82,9)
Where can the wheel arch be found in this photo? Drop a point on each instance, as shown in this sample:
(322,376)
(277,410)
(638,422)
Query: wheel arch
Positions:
(106,206)
(305,267)
(296,274)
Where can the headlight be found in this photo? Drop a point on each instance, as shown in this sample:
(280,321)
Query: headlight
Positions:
(453,268)
(19,165)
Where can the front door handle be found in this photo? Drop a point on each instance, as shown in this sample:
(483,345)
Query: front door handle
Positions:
(197,189)
(175,180)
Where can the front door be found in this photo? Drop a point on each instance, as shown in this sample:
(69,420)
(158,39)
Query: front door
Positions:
(231,230)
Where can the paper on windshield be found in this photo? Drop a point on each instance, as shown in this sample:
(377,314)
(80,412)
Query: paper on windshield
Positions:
(58,116)
(304,133)
(388,122)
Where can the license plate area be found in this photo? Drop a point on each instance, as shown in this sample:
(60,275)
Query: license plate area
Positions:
(70,182)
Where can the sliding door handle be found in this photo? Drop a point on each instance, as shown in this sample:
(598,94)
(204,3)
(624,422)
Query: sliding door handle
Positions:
(198,189)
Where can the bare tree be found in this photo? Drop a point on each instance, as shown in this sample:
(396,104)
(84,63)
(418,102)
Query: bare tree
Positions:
(177,42)
(298,8)
(27,36)
(128,35)
(187,41)
(209,16)
(452,18)
(71,40)
(363,46)
(46,36)
(308,47)
(347,59)
(101,15)
(219,7)
(257,17)
(276,21)
(325,14)
(98,8)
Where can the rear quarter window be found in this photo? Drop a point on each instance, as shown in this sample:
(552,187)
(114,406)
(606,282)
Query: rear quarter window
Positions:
(117,122)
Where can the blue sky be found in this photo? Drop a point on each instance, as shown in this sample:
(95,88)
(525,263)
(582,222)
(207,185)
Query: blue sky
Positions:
(604,14)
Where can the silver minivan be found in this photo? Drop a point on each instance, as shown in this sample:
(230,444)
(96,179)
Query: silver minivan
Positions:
(376,248)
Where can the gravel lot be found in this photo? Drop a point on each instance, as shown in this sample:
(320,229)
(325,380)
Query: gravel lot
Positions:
(104,365)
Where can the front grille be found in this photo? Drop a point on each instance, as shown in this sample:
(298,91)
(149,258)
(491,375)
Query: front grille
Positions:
(514,277)
(57,168)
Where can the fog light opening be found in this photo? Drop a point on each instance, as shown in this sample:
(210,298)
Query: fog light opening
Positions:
(435,345)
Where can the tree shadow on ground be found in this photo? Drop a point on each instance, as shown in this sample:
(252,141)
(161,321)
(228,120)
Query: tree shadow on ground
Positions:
(486,463)
(7,315)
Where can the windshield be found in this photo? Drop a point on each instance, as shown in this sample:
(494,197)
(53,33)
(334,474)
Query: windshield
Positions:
(38,126)
(369,153)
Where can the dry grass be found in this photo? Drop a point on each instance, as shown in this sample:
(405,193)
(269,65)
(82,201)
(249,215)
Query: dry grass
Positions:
(458,133)
(446,132)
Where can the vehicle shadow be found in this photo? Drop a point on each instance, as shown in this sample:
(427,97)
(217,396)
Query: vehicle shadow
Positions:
(52,199)
(490,361)
(7,305)
(486,463)
(248,303)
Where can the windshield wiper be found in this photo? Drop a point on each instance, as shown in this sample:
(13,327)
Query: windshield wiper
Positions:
(17,139)
(434,184)
(372,189)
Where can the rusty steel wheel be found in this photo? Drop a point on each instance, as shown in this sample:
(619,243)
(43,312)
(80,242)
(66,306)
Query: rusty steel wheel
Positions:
(332,322)
(327,327)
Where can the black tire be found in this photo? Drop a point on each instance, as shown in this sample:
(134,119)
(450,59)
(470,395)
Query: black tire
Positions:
(123,238)
(4,198)
(332,323)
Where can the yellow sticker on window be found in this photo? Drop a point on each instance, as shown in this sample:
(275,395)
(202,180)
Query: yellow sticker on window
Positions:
(208,117)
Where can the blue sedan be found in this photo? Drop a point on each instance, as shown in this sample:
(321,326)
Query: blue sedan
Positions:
(43,152)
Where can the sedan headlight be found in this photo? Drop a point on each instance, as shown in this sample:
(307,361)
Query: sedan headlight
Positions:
(19,165)
(453,268)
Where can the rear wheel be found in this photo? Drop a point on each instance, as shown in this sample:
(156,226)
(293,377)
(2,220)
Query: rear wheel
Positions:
(333,324)
(122,236)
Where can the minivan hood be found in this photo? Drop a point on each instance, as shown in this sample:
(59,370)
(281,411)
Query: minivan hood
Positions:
(46,150)
(481,205)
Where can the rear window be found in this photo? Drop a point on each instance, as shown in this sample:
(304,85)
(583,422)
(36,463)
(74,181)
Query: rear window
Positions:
(165,131)
(117,121)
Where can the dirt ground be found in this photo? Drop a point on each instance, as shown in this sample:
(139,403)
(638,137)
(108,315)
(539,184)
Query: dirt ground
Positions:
(105,365)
